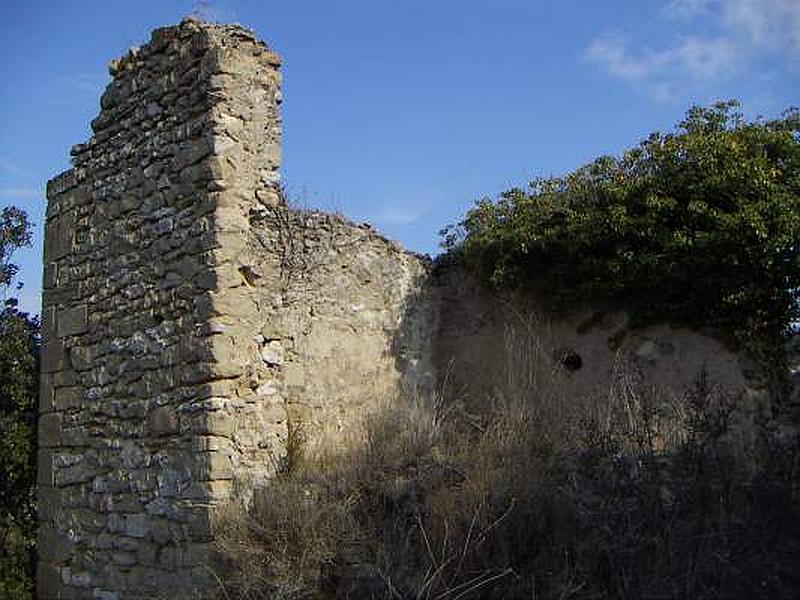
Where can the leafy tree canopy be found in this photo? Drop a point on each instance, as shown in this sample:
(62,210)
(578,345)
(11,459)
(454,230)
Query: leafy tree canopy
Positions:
(15,232)
(700,226)
(19,351)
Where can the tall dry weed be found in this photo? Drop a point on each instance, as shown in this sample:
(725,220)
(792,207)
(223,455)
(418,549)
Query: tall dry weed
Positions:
(627,495)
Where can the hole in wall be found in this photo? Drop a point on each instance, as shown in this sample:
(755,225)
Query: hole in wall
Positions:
(249,275)
(569,359)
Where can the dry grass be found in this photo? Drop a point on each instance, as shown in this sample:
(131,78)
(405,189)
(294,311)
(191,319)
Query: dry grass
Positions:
(536,497)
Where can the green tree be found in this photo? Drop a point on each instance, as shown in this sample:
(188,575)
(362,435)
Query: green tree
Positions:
(700,226)
(19,352)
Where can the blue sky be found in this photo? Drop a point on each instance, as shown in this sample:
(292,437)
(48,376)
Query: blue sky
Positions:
(402,113)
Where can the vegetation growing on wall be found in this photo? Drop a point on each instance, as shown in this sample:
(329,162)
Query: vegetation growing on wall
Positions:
(700,226)
(18,384)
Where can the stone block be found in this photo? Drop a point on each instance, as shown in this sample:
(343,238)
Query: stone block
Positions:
(273,154)
(220,388)
(230,304)
(73,321)
(212,466)
(59,184)
(48,323)
(90,520)
(225,369)
(46,393)
(59,234)
(272,353)
(206,280)
(210,443)
(75,436)
(64,378)
(48,503)
(137,526)
(78,473)
(63,294)
(200,525)
(54,355)
(230,219)
(81,358)
(50,430)
(53,545)
(67,398)
(45,472)
(48,580)
(210,491)
(50,279)
(268,197)
(163,421)
(217,423)
(124,559)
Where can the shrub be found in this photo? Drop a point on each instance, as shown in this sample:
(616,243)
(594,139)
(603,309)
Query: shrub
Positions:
(698,227)
(539,497)
(19,345)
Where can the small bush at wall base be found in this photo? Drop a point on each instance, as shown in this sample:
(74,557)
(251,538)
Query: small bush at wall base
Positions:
(538,498)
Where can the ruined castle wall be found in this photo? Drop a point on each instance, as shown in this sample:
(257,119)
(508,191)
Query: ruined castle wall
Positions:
(492,345)
(334,330)
(316,323)
(198,334)
(196,330)
(130,459)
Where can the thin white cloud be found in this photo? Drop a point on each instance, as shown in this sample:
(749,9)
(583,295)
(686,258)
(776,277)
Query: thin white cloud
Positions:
(19,193)
(744,28)
(758,24)
(686,9)
(610,51)
(397,215)
(660,72)
(772,24)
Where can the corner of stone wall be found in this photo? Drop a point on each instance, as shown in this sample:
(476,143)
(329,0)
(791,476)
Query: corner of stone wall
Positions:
(136,368)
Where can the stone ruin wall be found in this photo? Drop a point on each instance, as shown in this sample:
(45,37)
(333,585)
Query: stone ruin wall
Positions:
(329,326)
(504,345)
(138,238)
(193,324)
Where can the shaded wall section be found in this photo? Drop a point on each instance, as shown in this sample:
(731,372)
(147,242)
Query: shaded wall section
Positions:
(327,327)
(491,345)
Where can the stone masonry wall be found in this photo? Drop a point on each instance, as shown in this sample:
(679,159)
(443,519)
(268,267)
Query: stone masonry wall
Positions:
(137,238)
(329,328)
(196,330)
(492,345)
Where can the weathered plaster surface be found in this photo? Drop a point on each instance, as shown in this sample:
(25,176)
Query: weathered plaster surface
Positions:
(492,344)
